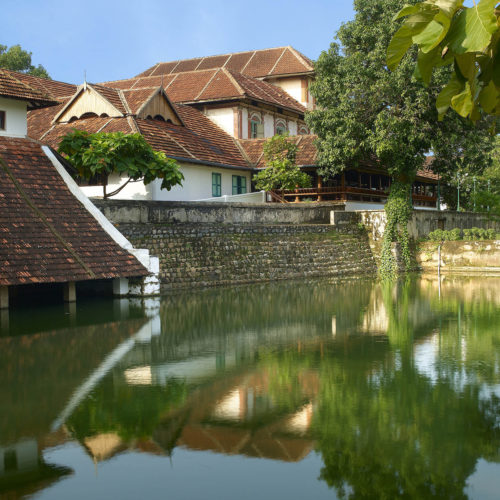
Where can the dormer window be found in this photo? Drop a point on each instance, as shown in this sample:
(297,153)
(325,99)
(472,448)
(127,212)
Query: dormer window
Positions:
(2,120)
(256,127)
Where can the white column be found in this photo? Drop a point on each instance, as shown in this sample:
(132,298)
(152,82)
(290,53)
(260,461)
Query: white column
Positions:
(120,287)
(69,292)
(4,297)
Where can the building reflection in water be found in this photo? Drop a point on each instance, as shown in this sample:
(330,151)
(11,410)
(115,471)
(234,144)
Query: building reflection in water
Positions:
(267,371)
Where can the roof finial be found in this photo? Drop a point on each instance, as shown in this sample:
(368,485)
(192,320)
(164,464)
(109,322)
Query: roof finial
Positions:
(84,79)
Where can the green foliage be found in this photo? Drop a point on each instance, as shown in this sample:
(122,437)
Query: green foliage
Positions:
(17,59)
(399,210)
(281,171)
(447,33)
(365,111)
(128,155)
(456,234)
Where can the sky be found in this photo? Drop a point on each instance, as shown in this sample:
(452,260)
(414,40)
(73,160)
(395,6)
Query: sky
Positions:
(111,39)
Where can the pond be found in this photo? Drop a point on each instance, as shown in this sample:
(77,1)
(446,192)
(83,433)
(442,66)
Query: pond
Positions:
(320,389)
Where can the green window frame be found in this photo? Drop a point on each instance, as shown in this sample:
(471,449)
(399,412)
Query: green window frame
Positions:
(216,185)
(239,184)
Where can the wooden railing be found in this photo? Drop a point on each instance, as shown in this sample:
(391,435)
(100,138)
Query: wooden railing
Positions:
(338,193)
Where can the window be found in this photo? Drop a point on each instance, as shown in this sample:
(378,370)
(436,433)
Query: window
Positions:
(256,128)
(239,184)
(216,185)
(281,128)
(303,130)
(2,120)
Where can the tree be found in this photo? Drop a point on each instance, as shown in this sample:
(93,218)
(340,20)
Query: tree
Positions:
(447,33)
(366,111)
(17,59)
(101,154)
(281,171)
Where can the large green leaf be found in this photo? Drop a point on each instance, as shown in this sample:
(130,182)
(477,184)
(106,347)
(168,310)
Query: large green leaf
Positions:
(463,102)
(426,63)
(443,101)
(472,29)
(449,7)
(430,37)
(488,98)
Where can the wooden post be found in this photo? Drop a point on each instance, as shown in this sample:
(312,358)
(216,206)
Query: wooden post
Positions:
(4,297)
(342,187)
(297,197)
(320,185)
(69,292)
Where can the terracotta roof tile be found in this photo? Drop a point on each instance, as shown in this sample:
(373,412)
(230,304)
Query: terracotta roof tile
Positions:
(307,155)
(214,84)
(136,98)
(46,235)
(55,89)
(257,63)
(112,95)
(13,88)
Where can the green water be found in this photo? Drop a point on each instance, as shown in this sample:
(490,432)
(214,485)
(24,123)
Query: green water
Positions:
(297,390)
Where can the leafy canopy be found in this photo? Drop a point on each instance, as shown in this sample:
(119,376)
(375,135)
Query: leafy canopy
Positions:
(281,171)
(447,33)
(101,154)
(17,59)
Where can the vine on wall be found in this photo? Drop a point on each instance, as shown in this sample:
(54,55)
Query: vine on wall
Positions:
(398,209)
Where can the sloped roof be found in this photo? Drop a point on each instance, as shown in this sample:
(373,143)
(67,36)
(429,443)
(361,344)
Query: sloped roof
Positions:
(55,89)
(212,85)
(307,155)
(13,88)
(200,141)
(262,63)
(46,234)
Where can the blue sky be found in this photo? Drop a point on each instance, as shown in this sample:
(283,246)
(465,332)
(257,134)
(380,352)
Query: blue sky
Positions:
(113,39)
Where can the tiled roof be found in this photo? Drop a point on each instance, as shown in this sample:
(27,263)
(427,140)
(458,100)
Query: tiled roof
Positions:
(13,88)
(257,63)
(136,98)
(46,234)
(55,89)
(212,85)
(199,141)
(307,155)
(112,95)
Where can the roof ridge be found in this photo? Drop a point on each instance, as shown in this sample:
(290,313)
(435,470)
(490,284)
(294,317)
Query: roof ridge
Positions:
(299,56)
(248,62)
(225,54)
(242,151)
(133,124)
(277,61)
(124,101)
(233,80)
(207,84)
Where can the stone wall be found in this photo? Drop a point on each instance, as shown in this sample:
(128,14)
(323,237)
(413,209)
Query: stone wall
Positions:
(137,211)
(222,254)
(469,257)
(421,223)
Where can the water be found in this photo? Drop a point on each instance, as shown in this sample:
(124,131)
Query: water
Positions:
(298,390)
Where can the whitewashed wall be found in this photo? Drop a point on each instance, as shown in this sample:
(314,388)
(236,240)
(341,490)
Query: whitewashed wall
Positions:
(268,125)
(197,183)
(292,86)
(292,127)
(224,118)
(244,122)
(16,120)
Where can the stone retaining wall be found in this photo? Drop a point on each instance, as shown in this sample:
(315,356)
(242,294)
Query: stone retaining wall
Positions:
(421,223)
(471,257)
(145,211)
(222,254)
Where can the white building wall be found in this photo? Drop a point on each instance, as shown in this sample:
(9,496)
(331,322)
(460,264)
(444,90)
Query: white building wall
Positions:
(16,121)
(293,86)
(268,125)
(292,127)
(244,121)
(224,118)
(132,191)
(197,184)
